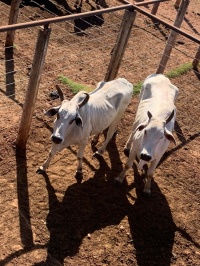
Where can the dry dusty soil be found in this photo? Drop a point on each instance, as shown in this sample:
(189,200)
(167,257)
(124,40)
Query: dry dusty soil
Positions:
(54,219)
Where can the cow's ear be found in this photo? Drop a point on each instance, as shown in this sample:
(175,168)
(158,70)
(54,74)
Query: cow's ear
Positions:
(169,136)
(169,118)
(79,121)
(53,111)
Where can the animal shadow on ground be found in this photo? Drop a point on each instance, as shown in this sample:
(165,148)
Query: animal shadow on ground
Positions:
(97,203)
(10,75)
(58,7)
(151,225)
(81,24)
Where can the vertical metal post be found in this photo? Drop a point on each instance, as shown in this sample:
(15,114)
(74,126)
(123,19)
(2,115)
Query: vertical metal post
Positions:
(121,43)
(172,36)
(31,95)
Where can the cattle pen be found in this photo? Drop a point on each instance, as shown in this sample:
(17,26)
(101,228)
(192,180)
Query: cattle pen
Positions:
(117,55)
(45,47)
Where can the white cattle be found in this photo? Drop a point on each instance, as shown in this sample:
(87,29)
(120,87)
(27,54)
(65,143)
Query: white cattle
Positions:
(153,125)
(88,114)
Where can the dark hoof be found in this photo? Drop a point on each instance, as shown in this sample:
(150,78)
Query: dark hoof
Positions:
(126,152)
(79,177)
(115,134)
(117,183)
(94,143)
(40,171)
(147,194)
(97,155)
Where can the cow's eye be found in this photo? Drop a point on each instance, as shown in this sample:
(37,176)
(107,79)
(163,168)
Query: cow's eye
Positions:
(58,116)
(140,128)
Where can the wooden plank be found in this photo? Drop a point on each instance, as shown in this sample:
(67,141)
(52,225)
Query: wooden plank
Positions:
(196,60)
(155,8)
(120,46)
(177,4)
(14,12)
(32,91)
(172,37)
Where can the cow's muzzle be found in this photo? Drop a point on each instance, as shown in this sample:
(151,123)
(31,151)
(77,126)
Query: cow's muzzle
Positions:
(56,140)
(145,157)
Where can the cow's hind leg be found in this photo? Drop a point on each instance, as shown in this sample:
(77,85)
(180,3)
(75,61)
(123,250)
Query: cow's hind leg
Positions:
(111,131)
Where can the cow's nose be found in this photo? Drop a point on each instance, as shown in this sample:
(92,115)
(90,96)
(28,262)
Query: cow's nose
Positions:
(145,157)
(56,140)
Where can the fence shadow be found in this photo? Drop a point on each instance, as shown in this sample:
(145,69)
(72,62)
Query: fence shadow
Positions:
(24,210)
(9,65)
(191,26)
(23,199)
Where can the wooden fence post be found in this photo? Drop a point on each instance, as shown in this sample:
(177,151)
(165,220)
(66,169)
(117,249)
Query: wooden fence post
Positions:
(121,43)
(31,95)
(177,3)
(196,60)
(14,12)
(155,8)
(172,36)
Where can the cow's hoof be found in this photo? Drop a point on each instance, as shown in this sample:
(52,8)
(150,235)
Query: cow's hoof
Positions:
(147,193)
(79,177)
(98,154)
(40,171)
(127,152)
(117,182)
(94,143)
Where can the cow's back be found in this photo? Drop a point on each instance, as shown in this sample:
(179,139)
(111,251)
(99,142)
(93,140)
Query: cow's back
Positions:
(111,88)
(157,96)
(158,87)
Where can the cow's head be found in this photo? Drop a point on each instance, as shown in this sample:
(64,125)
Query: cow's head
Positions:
(67,114)
(152,133)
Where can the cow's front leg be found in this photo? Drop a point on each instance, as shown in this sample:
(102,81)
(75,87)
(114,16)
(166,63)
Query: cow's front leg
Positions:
(128,145)
(54,148)
(80,156)
(128,165)
(150,171)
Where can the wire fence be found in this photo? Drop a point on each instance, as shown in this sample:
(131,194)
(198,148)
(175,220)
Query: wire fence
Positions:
(83,56)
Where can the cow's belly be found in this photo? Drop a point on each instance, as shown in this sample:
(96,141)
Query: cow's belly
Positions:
(102,122)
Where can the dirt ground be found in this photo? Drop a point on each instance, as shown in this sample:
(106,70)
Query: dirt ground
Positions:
(53,219)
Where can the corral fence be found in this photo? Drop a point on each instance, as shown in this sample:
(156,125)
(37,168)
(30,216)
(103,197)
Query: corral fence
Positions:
(128,20)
